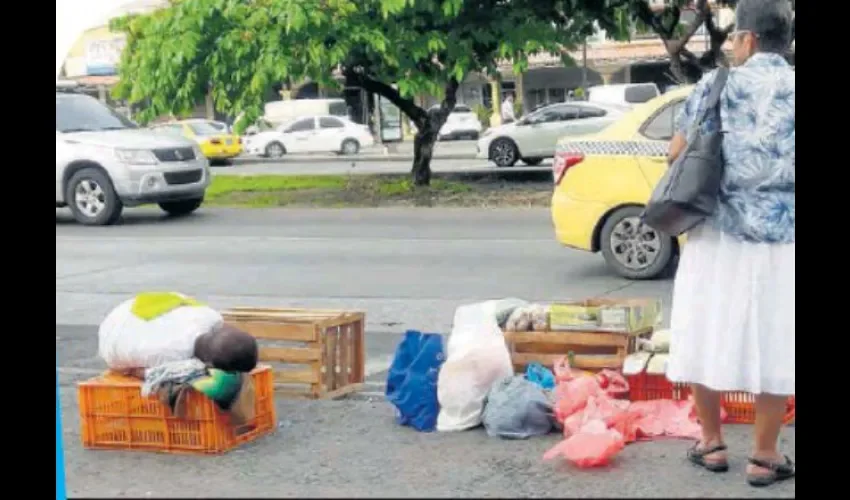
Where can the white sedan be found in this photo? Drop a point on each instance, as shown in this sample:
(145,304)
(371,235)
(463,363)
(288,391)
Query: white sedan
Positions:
(310,134)
(462,123)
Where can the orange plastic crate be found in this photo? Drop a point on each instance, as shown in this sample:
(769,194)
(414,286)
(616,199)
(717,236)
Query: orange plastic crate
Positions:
(115,416)
(738,405)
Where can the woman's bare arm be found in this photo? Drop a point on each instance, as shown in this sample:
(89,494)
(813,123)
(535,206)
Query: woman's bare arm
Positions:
(677,145)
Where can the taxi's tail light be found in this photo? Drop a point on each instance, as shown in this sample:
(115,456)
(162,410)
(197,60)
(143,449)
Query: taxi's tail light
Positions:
(564,160)
(215,140)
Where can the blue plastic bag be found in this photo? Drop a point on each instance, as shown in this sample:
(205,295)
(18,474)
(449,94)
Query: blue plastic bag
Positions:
(540,375)
(412,380)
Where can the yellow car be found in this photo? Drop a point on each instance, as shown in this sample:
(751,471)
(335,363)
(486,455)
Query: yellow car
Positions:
(603,180)
(215,143)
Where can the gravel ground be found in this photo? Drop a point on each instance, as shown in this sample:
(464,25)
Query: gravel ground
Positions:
(354,449)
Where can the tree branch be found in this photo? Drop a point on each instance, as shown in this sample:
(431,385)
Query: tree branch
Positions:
(717,37)
(407,106)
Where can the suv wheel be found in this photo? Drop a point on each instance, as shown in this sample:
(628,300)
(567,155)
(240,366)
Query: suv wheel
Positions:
(92,198)
(633,249)
(182,207)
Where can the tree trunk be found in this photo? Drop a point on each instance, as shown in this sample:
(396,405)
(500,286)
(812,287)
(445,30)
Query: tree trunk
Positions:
(423,152)
(428,123)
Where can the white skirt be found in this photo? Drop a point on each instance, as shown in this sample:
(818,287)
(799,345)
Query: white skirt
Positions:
(733,318)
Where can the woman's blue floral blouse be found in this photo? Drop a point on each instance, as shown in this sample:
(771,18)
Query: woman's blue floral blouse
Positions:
(757,196)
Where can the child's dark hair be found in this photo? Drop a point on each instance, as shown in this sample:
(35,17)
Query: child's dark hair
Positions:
(228,348)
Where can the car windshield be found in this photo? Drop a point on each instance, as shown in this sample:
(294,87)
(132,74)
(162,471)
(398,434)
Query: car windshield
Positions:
(82,113)
(203,129)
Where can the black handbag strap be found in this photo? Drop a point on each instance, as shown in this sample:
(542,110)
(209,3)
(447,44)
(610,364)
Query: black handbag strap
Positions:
(713,98)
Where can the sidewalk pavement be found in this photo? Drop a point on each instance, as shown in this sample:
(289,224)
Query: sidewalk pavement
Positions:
(403,151)
(351,448)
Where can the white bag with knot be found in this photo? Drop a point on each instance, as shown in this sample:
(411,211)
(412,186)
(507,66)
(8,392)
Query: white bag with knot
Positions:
(476,358)
(126,341)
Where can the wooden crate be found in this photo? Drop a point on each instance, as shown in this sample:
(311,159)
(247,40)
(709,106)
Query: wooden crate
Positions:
(315,353)
(593,351)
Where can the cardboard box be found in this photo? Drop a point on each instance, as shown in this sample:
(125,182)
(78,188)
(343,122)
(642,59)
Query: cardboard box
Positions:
(629,316)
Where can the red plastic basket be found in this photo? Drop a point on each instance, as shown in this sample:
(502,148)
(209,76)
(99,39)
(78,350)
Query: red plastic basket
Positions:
(739,406)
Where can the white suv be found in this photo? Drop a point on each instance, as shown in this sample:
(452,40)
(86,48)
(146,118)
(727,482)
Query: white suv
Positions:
(105,162)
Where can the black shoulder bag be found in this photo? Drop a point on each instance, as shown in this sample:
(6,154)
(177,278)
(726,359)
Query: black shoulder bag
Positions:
(687,193)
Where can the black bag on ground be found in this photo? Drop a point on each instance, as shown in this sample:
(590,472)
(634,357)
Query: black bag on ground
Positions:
(687,193)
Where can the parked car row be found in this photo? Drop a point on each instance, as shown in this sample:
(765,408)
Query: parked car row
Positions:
(607,159)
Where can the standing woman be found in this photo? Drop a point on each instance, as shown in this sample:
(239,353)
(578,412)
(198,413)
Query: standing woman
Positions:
(733,319)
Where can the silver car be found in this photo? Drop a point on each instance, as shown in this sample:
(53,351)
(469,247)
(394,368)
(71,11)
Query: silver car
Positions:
(532,138)
(105,162)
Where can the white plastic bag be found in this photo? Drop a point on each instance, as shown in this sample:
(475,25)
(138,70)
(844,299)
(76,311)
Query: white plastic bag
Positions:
(476,358)
(126,341)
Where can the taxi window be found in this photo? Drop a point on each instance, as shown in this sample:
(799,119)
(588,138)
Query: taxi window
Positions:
(662,125)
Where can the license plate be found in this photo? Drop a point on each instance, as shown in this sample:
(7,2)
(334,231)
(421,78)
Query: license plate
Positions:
(228,142)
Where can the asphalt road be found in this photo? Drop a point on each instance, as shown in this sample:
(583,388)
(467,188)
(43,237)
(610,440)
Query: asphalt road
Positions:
(407,268)
(325,165)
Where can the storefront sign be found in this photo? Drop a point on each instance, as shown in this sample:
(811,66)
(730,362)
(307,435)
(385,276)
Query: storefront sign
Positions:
(102,56)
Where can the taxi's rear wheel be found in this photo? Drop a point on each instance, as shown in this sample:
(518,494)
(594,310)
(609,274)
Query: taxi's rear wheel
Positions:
(633,249)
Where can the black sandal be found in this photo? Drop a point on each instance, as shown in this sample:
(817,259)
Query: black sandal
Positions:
(777,472)
(697,457)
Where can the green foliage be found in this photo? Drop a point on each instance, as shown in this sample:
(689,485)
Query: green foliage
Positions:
(483,113)
(237,49)
(518,107)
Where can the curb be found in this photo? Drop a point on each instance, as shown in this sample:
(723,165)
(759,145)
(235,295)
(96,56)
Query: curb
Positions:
(343,159)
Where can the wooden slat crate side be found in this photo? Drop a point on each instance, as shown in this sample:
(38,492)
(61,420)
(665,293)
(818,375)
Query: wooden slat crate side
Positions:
(288,311)
(342,319)
(330,359)
(358,375)
(593,350)
(333,357)
(300,376)
(582,362)
(343,356)
(275,331)
(567,337)
(293,355)
(566,348)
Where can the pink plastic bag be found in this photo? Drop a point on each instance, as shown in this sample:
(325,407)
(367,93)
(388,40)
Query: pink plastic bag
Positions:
(664,417)
(593,446)
(613,383)
(572,396)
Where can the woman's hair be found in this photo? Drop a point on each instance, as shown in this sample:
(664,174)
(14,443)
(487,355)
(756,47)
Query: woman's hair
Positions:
(769,20)
(228,348)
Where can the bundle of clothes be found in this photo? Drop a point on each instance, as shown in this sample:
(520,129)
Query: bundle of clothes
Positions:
(472,383)
(178,345)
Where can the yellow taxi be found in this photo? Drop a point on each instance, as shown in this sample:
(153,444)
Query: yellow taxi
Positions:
(602,182)
(216,143)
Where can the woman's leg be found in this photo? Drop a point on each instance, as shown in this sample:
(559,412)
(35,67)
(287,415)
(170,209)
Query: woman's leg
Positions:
(707,404)
(770,411)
